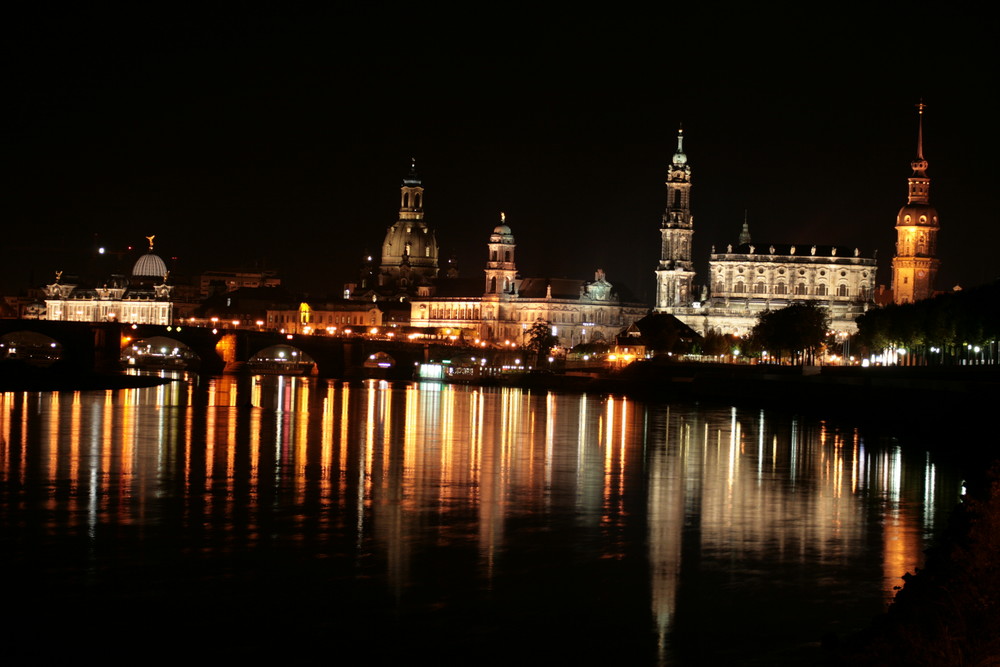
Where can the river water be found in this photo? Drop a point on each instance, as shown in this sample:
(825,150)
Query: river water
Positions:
(290,518)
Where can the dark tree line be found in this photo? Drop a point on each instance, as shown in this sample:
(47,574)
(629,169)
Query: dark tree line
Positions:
(794,332)
(945,329)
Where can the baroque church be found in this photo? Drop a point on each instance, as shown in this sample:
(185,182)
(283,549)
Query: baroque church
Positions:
(747,278)
(407,286)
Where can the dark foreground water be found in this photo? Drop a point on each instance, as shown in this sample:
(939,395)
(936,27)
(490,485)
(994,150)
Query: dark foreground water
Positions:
(292,519)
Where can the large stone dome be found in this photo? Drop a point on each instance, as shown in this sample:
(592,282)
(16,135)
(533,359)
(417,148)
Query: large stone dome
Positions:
(149,266)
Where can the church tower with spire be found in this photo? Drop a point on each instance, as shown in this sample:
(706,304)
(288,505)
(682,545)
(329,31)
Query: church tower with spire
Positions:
(675,273)
(410,250)
(915,264)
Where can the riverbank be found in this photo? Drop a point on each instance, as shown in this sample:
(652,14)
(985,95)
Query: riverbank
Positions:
(948,612)
(22,377)
(878,390)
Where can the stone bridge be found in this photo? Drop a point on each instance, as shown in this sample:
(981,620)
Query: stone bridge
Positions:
(99,346)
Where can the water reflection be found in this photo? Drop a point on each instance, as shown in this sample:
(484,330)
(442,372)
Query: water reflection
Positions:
(657,528)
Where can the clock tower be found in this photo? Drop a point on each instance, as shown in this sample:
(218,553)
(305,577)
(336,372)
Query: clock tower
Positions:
(915,264)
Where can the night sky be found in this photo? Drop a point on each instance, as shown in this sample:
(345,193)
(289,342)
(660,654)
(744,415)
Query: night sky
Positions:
(280,139)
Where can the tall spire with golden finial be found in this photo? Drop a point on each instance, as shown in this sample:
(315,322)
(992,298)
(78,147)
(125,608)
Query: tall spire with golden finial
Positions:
(915,264)
(920,184)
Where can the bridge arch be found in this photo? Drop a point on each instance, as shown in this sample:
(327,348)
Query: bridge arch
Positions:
(31,347)
(282,358)
(159,352)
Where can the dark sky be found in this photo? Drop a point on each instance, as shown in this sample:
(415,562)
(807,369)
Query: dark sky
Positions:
(281,138)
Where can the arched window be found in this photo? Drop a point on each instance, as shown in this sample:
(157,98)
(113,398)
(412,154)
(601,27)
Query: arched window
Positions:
(780,288)
(821,290)
(739,287)
(842,290)
(759,288)
(493,285)
(506,256)
(494,256)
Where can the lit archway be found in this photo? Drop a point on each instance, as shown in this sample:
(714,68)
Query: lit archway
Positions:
(30,347)
(159,352)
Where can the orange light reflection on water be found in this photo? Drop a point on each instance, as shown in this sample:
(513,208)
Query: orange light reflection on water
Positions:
(392,466)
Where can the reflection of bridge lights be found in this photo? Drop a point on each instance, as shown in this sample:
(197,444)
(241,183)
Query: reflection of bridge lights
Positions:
(288,336)
(236,323)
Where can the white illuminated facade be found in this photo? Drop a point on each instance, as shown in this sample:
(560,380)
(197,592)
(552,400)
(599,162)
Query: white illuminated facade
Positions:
(579,311)
(747,279)
(142,299)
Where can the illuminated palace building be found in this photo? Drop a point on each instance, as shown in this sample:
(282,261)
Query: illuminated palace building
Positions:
(747,278)
(142,298)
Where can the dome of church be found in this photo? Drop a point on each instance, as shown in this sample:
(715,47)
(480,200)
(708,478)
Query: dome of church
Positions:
(413,240)
(921,215)
(149,266)
(502,230)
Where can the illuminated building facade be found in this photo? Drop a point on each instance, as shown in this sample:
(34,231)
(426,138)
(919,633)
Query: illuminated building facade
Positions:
(915,265)
(579,311)
(341,317)
(748,278)
(143,298)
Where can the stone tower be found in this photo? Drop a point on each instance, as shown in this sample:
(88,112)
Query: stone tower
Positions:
(500,268)
(915,265)
(675,272)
